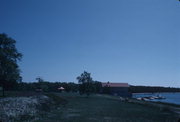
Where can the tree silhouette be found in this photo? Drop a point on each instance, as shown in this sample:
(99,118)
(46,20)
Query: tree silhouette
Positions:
(85,83)
(9,69)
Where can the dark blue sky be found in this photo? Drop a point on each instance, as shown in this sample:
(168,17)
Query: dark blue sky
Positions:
(134,41)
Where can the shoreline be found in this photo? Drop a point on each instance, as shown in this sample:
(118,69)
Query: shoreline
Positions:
(169,97)
(175,108)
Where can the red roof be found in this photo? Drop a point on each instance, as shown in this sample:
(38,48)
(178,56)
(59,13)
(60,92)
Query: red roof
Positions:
(115,84)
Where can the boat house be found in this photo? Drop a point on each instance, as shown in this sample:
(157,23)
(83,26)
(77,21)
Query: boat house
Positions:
(118,89)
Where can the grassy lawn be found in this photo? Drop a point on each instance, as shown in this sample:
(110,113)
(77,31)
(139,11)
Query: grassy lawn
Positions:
(102,108)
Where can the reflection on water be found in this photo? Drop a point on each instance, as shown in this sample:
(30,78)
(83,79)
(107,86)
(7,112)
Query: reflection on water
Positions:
(170,97)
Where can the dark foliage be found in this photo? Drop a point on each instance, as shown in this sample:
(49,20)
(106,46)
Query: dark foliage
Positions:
(9,70)
(85,83)
(106,90)
(48,86)
(97,86)
(149,89)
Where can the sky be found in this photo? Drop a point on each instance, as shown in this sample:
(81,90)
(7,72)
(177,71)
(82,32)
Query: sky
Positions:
(133,41)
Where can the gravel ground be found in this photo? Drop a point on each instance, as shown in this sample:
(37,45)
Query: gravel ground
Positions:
(21,108)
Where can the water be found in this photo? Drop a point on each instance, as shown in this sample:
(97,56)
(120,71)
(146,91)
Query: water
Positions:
(170,97)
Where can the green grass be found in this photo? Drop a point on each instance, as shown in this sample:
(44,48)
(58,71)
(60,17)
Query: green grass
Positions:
(170,104)
(57,99)
(103,108)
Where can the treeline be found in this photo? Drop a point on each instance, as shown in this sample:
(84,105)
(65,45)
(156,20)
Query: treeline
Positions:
(47,86)
(96,87)
(150,89)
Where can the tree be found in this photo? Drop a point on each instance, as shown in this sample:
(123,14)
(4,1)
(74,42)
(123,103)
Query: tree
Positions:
(9,69)
(39,79)
(107,89)
(97,86)
(42,85)
(85,83)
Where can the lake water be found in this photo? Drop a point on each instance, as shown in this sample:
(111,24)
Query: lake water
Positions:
(170,97)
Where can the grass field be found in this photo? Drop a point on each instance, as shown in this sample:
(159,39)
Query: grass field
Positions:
(103,108)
